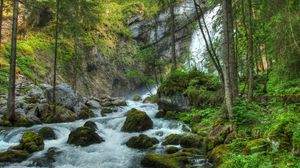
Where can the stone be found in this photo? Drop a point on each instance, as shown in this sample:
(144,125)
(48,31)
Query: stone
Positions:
(85,113)
(91,125)
(31,142)
(257,145)
(84,136)
(47,133)
(172,139)
(137,121)
(47,159)
(218,154)
(141,142)
(13,155)
(191,141)
(93,104)
(171,149)
(137,98)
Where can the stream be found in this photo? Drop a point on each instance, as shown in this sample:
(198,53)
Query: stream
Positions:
(112,153)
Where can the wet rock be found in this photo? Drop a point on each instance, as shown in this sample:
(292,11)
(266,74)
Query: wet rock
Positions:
(216,136)
(137,121)
(151,99)
(61,115)
(107,110)
(91,125)
(93,104)
(47,133)
(175,102)
(47,160)
(172,139)
(137,98)
(171,149)
(141,142)
(160,114)
(31,142)
(191,141)
(218,154)
(107,101)
(176,160)
(85,113)
(13,155)
(84,136)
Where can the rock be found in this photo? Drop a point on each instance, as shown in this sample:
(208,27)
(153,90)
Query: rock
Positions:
(61,115)
(176,102)
(107,110)
(218,154)
(31,142)
(172,139)
(137,121)
(47,159)
(86,113)
(194,151)
(47,133)
(84,136)
(12,155)
(191,141)
(216,136)
(176,160)
(137,98)
(65,95)
(171,149)
(93,104)
(91,125)
(141,142)
(107,101)
(257,145)
(151,99)
(35,95)
(78,107)
(160,114)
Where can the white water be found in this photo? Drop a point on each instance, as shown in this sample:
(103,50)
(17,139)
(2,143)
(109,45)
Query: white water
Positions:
(198,47)
(112,153)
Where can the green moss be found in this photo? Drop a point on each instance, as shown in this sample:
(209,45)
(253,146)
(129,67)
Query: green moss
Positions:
(257,145)
(86,113)
(47,133)
(171,149)
(14,156)
(218,154)
(137,121)
(84,136)
(172,139)
(32,142)
(154,160)
(141,142)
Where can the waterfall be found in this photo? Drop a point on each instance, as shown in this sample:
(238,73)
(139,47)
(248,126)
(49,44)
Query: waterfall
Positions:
(198,47)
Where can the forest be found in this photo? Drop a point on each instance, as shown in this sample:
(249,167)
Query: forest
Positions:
(150,83)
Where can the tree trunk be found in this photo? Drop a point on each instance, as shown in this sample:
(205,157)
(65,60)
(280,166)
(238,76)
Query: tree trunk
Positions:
(250,52)
(230,71)
(173,42)
(11,102)
(76,62)
(1,20)
(55,58)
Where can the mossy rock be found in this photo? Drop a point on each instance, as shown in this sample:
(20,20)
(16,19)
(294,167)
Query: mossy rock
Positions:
(32,142)
(12,155)
(91,125)
(24,122)
(85,113)
(141,142)
(151,99)
(160,114)
(191,141)
(137,98)
(137,121)
(171,149)
(218,154)
(172,139)
(84,136)
(61,115)
(158,161)
(257,145)
(107,110)
(47,133)
(194,151)
(170,115)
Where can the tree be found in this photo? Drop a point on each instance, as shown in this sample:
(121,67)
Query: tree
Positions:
(230,67)
(250,52)
(55,57)
(1,20)
(11,102)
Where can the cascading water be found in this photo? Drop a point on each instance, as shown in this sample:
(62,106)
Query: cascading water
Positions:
(198,47)
(112,153)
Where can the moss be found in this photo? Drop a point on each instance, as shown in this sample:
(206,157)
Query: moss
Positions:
(14,156)
(137,98)
(151,99)
(141,142)
(6,123)
(23,122)
(62,115)
(154,160)
(137,121)
(32,142)
(172,139)
(257,145)
(86,113)
(218,154)
(191,141)
(91,125)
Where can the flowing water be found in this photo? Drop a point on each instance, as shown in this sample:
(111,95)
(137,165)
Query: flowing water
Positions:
(112,153)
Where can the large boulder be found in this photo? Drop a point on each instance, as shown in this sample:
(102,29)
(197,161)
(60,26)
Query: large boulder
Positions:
(172,139)
(92,103)
(65,95)
(91,125)
(47,133)
(13,155)
(137,98)
(107,101)
(45,113)
(137,121)
(141,142)
(84,136)
(31,142)
(85,113)
(47,159)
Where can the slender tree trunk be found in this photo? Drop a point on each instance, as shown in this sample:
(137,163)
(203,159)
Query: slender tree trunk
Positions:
(76,62)
(250,52)
(55,58)
(173,42)
(209,45)
(1,20)
(11,102)
(230,71)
